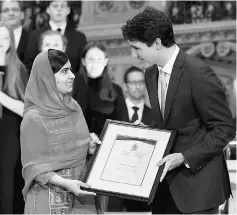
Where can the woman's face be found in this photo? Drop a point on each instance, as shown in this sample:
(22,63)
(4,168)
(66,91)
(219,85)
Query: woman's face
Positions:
(64,79)
(95,61)
(52,42)
(4,39)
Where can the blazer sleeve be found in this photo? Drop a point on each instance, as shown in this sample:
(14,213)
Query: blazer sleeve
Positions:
(210,101)
(80,92)
(83,42)
(119,103)
(31,50)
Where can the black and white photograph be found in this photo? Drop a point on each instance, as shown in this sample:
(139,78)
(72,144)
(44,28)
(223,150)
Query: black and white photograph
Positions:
(118,107)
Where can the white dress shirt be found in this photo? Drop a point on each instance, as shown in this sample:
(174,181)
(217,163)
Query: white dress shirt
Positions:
(167,69)
(17,35)
(130,106)
(55,26)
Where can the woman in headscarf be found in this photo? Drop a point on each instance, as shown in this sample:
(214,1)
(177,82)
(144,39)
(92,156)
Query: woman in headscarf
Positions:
(14,77)
(55,141)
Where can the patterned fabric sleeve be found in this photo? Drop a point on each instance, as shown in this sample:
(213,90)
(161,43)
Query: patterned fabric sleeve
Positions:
(43,178)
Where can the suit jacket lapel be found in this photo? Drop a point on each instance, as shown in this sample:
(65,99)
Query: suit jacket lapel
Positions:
(22,38)
(152,87)
(125,114)
(146,119)
(144,113)
(68,30)
(121,110)
(173,83)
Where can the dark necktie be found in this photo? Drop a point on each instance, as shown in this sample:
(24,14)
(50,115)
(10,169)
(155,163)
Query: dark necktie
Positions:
(135,115)
(59,30)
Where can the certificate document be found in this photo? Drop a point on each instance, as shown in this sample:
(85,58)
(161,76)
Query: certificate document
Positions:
(125,164)
(128,161)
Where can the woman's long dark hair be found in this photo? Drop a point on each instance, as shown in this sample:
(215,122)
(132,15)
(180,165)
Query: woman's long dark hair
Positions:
(16,76)
(104,84)
(57,59)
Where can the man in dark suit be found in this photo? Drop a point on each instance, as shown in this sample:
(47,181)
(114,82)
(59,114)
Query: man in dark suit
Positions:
(135,107)
(185,96)
(12,13)
(58,12)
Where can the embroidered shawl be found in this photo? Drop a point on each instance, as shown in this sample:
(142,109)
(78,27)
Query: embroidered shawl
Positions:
(54,134)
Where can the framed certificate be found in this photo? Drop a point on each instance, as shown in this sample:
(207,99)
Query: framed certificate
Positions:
(125,164)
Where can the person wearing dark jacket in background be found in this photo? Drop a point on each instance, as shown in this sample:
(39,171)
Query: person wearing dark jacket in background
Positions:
(98,97)
(58,12)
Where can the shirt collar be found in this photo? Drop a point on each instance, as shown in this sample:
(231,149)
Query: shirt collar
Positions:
(55,26)
(169,65)
(130,104)
(18,30)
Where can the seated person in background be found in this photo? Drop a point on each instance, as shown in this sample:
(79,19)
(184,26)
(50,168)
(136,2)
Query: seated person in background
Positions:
(58,12)
(94,91)
(55,141)
(52,40)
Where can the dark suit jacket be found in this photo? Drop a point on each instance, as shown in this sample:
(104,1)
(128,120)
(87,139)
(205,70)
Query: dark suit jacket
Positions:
(197,109)
(123,113)
(22,45)
(76,43)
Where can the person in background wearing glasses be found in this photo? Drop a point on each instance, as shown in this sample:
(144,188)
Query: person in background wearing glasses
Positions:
(58,12)
(135,89)
(98,97)
(11,13)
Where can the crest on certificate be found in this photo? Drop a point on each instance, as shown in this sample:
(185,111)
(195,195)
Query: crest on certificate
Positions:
(134,147)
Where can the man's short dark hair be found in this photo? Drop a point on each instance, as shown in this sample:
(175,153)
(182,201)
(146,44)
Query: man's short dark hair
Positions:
(130,70)
(57,59)
(148,25)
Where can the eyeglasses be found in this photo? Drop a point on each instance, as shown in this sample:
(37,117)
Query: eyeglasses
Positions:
(133,83)
(14,10)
